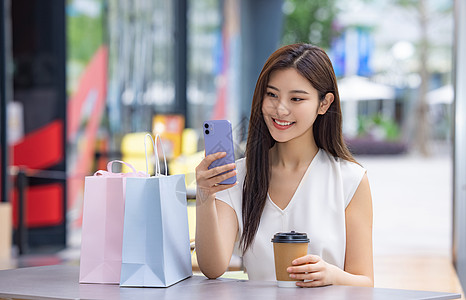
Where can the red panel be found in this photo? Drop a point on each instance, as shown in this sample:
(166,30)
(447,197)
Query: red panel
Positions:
(42,148)
(94,79)
(44,206)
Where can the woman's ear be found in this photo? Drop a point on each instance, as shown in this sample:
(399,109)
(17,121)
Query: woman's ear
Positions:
(325,104)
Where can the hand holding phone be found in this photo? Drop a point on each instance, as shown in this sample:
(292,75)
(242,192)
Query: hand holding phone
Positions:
(218,137)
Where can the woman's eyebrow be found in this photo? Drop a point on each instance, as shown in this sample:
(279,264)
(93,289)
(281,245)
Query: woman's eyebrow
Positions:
(299,91)
(292,91)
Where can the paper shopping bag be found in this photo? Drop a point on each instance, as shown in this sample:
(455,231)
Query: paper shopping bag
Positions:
(156,247)
(102,228)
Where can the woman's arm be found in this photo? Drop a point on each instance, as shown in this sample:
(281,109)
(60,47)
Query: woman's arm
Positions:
(358,268)
(216,222)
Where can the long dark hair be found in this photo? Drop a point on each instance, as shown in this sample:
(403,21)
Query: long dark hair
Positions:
(313,64)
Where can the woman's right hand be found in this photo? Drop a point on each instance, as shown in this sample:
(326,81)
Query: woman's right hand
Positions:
(208,181)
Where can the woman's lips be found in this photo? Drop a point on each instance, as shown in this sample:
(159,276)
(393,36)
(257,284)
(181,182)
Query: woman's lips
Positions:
(282,125)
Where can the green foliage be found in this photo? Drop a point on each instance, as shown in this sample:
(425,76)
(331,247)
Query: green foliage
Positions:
(378,127)
(308,21)
(408,3)
(85,36)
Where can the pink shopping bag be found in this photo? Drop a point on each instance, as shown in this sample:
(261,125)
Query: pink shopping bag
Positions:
(102,228)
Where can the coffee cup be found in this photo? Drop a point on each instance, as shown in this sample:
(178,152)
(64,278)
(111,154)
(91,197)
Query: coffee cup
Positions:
(287,246)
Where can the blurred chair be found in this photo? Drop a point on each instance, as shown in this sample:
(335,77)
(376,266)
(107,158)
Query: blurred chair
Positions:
(186,164)
(189,141)
(132,150)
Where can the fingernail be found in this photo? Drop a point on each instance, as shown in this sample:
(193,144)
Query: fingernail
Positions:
(292,275)
(288,270)
(294,262)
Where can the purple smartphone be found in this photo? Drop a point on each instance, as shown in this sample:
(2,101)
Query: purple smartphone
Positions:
(218,137)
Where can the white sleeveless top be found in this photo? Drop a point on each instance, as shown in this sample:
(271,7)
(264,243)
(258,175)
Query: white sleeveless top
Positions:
(316,208)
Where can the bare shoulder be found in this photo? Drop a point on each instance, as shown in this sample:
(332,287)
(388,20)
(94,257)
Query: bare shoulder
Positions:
(364,186)
(362,199)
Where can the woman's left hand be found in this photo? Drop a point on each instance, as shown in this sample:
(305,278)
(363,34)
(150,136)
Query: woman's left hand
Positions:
(311,267)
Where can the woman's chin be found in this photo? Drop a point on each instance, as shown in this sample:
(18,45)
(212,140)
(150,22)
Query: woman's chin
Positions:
(280,139)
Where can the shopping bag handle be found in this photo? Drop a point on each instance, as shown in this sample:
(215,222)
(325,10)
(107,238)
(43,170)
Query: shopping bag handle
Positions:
(110,165)
(110,173)
(157,161)
(158,138)
(145,149)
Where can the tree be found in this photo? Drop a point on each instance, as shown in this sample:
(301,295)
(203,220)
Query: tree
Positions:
(422,109)
(423,18)
(309,21)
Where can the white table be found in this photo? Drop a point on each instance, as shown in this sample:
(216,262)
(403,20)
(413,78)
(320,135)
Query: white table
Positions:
(61,282)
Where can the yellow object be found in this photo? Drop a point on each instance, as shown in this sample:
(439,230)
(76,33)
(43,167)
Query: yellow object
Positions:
(170,128)
(5,231)
(132,149)
(192,219)
(189,140)
(186,164)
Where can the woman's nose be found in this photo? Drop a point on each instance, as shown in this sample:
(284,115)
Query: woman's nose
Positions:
(282,108)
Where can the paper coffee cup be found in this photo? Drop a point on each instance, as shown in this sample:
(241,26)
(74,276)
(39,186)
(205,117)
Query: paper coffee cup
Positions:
(287,246)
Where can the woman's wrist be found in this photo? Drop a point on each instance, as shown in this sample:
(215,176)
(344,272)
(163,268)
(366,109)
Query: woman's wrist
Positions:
(203,197)
(341,277)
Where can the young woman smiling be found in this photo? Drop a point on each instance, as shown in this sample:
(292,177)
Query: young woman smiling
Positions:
(297,175)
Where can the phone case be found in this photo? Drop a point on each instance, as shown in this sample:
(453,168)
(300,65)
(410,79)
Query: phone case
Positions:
(218,137)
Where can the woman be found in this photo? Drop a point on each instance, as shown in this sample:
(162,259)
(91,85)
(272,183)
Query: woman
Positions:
(297,175)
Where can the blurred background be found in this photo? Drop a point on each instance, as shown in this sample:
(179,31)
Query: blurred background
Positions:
(84,80)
